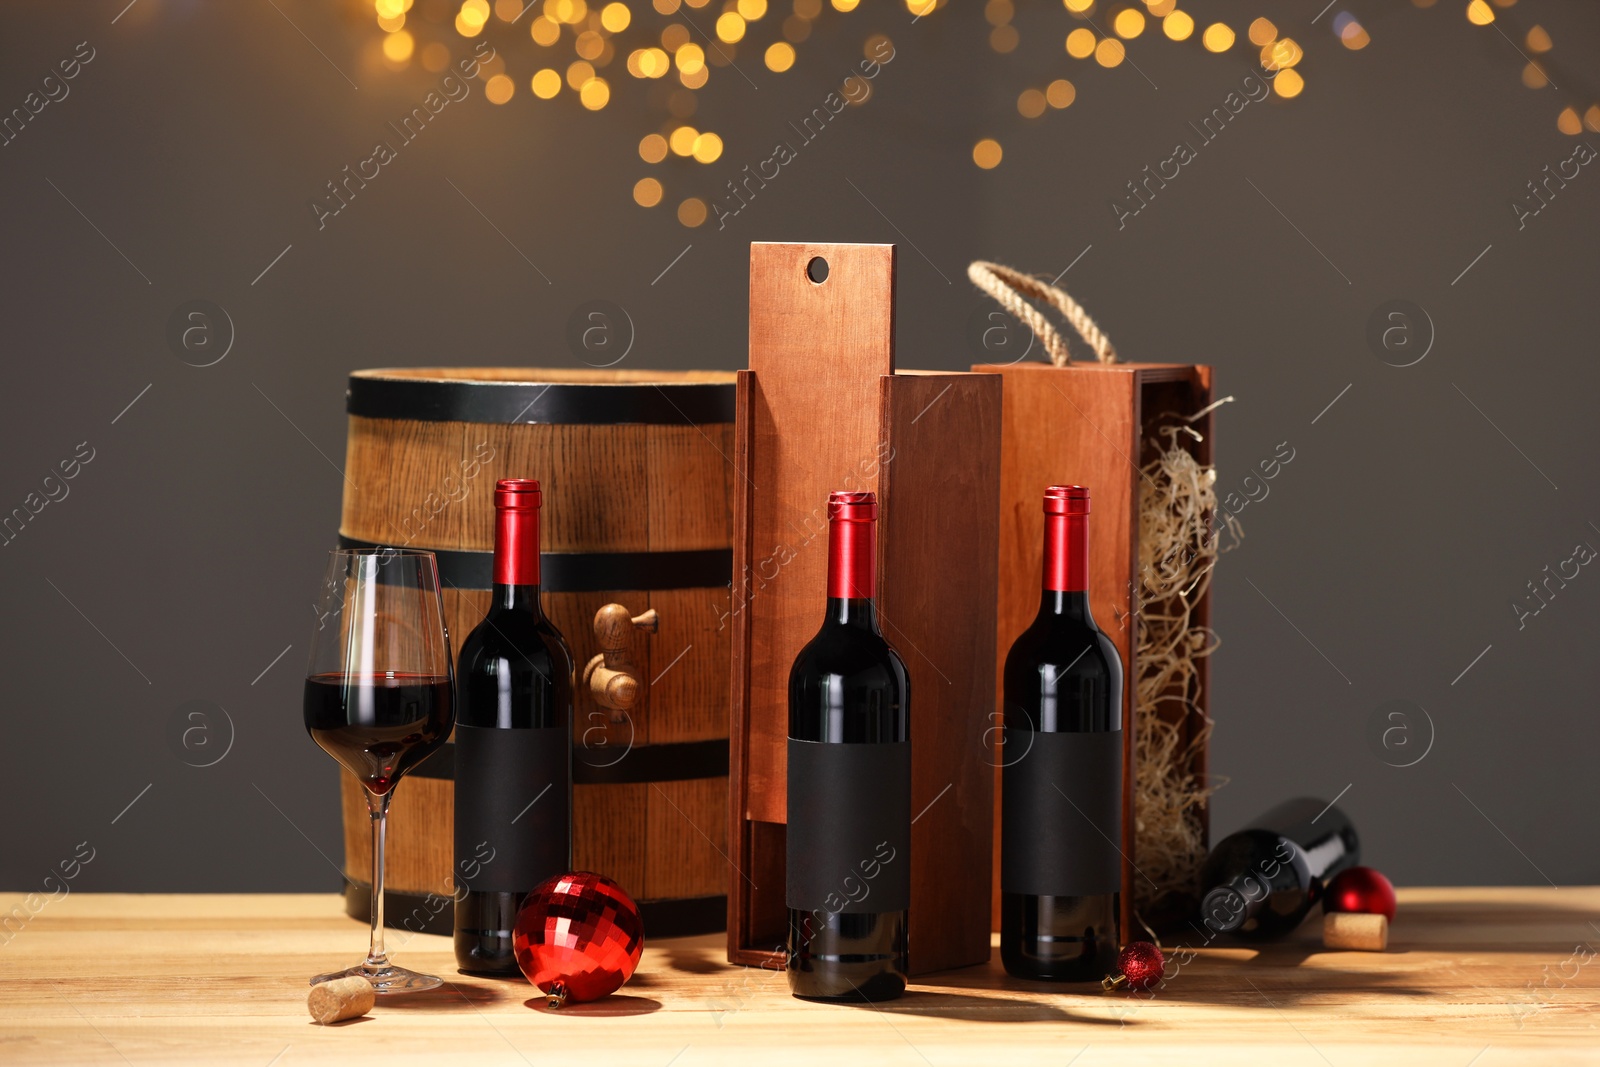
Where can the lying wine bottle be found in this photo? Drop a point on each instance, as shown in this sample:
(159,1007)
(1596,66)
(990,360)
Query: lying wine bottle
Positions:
(1061,771)
(513,799)
(1262,881)
(848,844)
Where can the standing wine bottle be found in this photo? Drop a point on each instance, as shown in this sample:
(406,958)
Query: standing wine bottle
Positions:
(513,788)
(1261,882)
(848,845)
(1061,774)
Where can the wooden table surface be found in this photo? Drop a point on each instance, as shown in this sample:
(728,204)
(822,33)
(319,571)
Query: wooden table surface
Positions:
(1480,977)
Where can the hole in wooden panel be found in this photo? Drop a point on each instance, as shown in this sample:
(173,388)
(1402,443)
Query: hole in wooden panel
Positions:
(817,270)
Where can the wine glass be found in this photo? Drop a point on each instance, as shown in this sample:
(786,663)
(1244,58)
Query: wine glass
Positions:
(378,699)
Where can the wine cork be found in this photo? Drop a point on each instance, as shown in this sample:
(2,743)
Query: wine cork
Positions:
(1352,930)
(340,999)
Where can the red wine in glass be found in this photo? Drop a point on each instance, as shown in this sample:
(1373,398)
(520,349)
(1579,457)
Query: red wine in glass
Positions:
(378,725)
(378,699)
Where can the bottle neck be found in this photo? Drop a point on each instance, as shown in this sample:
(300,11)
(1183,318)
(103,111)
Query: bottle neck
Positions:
(1229,906)
(1066,567)
(853,574)
(516,559)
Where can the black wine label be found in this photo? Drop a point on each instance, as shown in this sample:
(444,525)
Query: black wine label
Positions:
(1061,814)
(513,808)
(848,844)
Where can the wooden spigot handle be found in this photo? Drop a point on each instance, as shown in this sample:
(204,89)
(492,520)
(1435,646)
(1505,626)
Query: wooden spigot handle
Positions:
(611,675)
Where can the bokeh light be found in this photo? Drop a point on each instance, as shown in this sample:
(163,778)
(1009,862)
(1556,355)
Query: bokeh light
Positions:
(498,89)
(546,84)
(1080,43)
(647,192)
(595,94)
(545,32)
(1109,52)
(1031,104)
(692,212)
(1217,38)
(652,147)
(1178,25)
(1060,93)
(681,140)
(1129,23)
(986,153)
(779,56)
(1288,84)
(707,148)
(397,46)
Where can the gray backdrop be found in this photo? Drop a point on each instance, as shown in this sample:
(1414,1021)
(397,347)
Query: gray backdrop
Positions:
(1382,566)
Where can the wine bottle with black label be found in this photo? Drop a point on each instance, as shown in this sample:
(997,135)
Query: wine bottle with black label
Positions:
(1261,882)
(513,772)
(848,843)
(1061,771)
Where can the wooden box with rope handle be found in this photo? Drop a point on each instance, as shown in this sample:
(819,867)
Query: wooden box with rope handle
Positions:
(1105,424)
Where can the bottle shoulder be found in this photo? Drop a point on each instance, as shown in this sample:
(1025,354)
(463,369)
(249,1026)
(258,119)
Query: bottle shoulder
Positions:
(859,656)
(1055,649)
(515,635)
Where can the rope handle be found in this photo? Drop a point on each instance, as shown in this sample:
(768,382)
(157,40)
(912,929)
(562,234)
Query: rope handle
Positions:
(1009,286)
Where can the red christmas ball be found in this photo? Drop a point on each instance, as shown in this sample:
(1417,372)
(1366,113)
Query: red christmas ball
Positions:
(1361,890)
(1141,964)
(578,937)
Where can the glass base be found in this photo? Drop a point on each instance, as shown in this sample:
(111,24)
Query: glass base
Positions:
(386,978)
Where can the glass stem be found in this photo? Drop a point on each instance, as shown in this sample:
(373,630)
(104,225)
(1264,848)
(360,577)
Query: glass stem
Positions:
(378,811)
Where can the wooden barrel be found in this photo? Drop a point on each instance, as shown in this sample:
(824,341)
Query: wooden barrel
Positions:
(636,473)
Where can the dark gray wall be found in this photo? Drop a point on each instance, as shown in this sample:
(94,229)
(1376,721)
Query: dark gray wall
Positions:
(1384,561)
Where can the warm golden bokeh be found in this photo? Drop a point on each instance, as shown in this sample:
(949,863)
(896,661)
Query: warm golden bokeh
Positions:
(498,89)
(1109,52)
(1217,38)
(1178,25)
(647,192)
(1080,43)
(652,148)
(1129,23)
(1031,104)
(779,56)
(692,212)
(1060,93)
(1262,32)
(986,153)
(546,84)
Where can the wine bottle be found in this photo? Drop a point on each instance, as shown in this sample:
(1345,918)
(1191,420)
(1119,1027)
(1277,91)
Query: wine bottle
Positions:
(848,843)
(513,773)
(1261,882)
(1061,771)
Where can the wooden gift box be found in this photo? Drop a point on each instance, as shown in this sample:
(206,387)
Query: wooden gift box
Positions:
(1091,424)
(822,408)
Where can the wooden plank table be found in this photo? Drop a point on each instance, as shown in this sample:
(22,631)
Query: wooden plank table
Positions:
(1485,977)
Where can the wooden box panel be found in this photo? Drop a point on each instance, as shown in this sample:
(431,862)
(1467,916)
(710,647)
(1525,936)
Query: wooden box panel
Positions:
(822,409)
(1085,424)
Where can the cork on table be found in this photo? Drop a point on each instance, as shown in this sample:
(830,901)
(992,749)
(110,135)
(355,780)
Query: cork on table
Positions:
(1485,977)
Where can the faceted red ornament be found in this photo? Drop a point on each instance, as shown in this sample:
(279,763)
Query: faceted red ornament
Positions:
(578,937)
(1140,966)
(1361,890)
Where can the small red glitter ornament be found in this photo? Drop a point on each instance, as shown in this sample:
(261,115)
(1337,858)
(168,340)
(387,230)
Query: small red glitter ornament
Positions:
(1361,890)
(578,937)
(1139,966)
